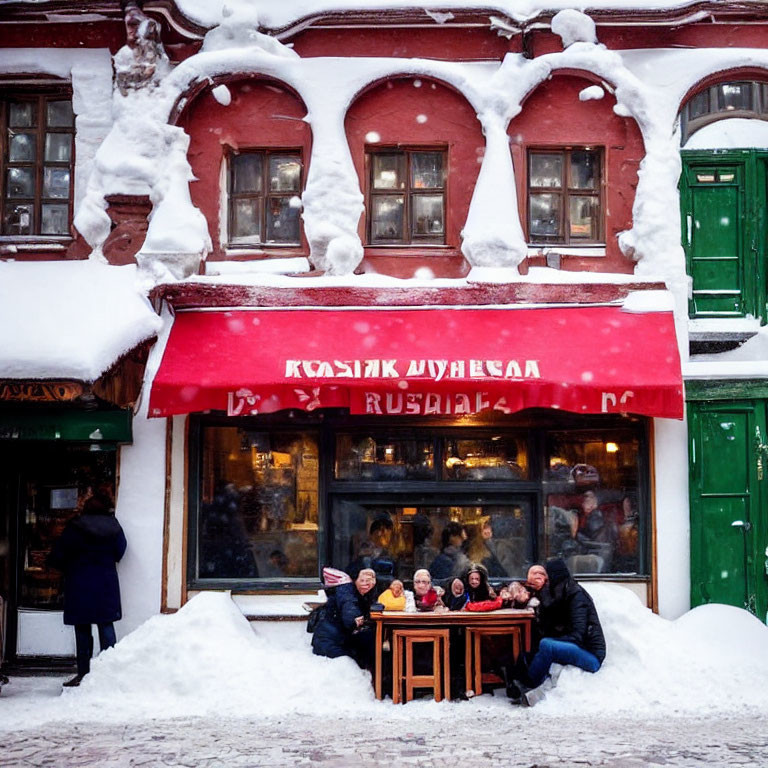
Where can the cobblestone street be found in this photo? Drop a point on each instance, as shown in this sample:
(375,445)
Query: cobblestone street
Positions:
(498,737)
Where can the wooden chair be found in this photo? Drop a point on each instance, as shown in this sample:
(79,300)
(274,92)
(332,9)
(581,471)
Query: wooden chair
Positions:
(403,641)
(473,654)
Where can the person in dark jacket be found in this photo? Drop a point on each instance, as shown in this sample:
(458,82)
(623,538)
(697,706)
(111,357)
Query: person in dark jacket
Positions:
(344,629)
(86,552)
(569,626)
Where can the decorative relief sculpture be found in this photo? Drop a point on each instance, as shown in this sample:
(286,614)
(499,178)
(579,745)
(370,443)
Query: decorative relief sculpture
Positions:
(142,61)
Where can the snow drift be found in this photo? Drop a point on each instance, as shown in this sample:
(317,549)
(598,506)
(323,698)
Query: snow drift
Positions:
(206,659)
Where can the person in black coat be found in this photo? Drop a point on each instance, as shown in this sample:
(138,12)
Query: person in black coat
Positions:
(86,552)
(345,629)
(570,628)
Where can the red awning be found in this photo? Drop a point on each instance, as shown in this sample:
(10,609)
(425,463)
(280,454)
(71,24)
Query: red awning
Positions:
(431,361)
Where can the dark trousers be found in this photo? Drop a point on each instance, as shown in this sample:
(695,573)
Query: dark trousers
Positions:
(84,643)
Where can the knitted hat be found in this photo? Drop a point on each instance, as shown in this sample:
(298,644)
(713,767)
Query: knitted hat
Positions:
(557,571)
(332,577)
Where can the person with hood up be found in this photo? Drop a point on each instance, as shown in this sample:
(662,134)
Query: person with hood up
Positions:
(90,546)
(570,629)
(345,629)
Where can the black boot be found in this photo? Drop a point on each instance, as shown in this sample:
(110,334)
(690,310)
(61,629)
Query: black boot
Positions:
(73,682)
(513,691)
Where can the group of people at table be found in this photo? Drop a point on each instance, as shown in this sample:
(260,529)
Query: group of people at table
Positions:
(567,628)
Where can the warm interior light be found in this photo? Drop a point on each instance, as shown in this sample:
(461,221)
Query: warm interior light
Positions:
(611,448)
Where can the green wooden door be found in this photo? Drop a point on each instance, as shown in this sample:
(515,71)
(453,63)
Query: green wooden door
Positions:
(713,198)
(729,466)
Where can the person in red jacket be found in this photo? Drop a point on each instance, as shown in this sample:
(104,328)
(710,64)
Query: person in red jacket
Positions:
(426,597)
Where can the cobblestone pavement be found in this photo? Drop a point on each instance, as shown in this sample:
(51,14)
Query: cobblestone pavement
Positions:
(467,740)
(334,743)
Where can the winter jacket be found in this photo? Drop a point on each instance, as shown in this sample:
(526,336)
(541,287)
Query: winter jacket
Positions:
(428,602)
(567,613)
(485,605)
(334,634)
(390,602)
(86,552)
(449,564)
(456,602)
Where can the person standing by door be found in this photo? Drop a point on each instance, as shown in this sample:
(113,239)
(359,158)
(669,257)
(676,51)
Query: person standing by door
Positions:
(87,552)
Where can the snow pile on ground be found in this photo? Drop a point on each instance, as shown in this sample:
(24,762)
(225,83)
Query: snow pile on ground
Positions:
(712,659)
(79,318)
(206,660)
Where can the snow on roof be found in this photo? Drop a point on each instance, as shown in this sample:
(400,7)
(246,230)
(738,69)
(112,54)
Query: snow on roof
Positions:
(653,667)
(275,15)
(70,319)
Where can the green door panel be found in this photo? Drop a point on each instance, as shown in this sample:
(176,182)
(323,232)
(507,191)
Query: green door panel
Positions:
(723,580)
(727,486)
(713,202)
(725,452)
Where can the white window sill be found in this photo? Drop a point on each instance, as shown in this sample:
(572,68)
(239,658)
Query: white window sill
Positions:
(587,251)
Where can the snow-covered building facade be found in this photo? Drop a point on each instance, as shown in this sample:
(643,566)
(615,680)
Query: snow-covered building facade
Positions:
(420,293)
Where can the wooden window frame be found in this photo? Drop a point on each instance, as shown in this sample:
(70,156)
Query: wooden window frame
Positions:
(565,192)
(407,239)
(42,96)
(264,195)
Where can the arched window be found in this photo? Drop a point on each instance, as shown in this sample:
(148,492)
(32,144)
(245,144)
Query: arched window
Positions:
(737,98)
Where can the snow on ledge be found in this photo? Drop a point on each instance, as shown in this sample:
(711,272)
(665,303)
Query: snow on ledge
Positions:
(649,301)
(277,266)
(69,319)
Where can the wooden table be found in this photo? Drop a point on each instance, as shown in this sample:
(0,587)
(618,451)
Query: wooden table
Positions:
(386,621)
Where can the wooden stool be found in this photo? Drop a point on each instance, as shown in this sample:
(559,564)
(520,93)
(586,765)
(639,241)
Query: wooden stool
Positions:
(473,656)
(403,640)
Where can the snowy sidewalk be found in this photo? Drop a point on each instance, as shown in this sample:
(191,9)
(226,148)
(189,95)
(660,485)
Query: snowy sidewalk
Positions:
(470,736)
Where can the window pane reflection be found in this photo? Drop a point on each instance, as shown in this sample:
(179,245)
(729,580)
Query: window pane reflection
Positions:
(585,169)
(259,505)
(284,173)
(427,214)
(583,218)
(58,147)
(735,96)
(22,114)
(502,457)
(545,215)
(55,219)
(248,172)
(55,182)
(59,114)
(546,170)
(396,540)
(282,221)
(21,182)
(247,219)
(387,217)
(385,458)
(427,170)
(591,489)
(22,147)
(388,171)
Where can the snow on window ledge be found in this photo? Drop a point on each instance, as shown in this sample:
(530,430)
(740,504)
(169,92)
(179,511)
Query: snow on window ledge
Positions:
(591,251)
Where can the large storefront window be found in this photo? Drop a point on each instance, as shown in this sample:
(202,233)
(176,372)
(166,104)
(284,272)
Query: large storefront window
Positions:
(277,501)
(591,501)
(395,540)
(259,505)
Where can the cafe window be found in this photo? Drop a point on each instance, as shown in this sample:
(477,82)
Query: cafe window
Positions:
(397,539)
(406,197)
(258,515)
(37,164)
(565,196)
(264,197)
(274,503)
(592,502)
